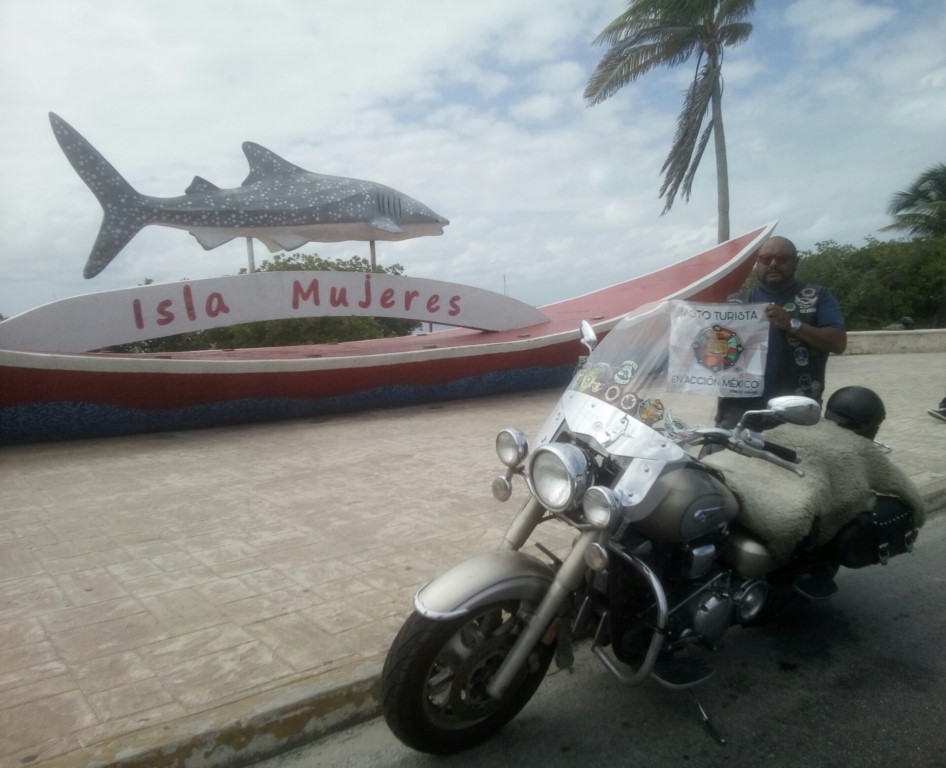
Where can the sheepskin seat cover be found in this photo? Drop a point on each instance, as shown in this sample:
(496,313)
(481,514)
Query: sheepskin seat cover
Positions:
(843,472)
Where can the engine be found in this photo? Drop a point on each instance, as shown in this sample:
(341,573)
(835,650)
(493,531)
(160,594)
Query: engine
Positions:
(703,599)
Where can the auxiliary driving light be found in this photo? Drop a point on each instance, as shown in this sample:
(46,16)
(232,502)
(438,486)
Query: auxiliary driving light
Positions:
(601,506)
(512,446)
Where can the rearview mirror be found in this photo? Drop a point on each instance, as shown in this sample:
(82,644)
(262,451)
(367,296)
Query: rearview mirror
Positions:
(588,336)
(795,409)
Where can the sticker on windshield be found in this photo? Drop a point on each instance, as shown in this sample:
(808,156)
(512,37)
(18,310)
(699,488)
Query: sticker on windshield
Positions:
(626,372)
(651,411)
(596,379)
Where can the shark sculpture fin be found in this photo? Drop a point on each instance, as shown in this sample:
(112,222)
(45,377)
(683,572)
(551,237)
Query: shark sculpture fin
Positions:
(289,242)
(200,185)
(211,238)
(265,164)
(386,224)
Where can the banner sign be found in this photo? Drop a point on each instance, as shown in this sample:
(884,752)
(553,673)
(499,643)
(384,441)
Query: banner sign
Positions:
(718,349)
(98,320)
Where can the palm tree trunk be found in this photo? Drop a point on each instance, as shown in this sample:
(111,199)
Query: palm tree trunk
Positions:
(722,165)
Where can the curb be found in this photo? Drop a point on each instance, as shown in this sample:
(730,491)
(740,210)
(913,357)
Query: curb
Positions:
(270,723)
(246,731)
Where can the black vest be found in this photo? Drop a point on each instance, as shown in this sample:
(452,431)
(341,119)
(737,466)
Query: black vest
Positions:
(801,368)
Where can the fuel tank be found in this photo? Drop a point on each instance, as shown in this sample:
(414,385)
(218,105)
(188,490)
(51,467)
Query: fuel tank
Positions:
(693,503)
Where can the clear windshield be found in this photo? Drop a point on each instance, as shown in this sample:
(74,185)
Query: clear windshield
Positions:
(658,372)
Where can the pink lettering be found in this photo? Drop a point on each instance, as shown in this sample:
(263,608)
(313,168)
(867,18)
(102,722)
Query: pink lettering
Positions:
(189,303)
(300,294)
(366,302)
(338,297)
(215,305)
(165,315)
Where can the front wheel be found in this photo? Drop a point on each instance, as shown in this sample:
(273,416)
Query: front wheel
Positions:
(433,684)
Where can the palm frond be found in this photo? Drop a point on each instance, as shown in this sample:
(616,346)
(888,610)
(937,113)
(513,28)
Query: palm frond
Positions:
(921,208)
(695,162)
(732,11)
(632,58)
(734,34)
(689,122)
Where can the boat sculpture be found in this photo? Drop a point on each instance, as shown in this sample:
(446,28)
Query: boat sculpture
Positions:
(50,395)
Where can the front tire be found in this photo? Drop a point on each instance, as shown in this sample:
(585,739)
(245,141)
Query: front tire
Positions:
(433,684)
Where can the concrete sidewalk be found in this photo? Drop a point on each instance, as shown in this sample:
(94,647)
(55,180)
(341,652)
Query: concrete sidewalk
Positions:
(214,596)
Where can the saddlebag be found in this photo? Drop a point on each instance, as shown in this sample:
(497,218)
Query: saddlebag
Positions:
(875,536)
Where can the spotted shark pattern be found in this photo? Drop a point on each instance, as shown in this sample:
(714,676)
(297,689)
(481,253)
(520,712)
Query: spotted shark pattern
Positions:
(280,204)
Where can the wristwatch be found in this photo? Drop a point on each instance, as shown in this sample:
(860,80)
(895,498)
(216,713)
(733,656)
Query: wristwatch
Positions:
(794,325)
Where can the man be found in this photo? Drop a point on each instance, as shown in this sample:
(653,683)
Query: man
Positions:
(806,325)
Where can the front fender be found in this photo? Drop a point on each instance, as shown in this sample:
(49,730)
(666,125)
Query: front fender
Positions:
(482,580)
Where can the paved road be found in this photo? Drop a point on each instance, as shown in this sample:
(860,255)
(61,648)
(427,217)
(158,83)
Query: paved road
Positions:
(858,680)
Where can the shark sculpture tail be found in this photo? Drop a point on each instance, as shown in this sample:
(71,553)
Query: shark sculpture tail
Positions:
(126,210)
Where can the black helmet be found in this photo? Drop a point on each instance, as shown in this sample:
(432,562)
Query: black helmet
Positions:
(856,408)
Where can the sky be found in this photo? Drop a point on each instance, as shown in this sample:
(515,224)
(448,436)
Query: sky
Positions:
(475,109)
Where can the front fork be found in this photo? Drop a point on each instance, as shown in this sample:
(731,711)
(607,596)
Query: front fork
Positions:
(568,578)
(523,524)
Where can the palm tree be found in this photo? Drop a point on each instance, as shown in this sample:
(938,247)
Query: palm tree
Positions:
(665,33)
(921,208)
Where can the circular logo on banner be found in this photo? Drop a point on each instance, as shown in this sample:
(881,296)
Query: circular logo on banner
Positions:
(717,348)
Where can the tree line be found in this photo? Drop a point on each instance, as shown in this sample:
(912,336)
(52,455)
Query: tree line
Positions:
(882,282)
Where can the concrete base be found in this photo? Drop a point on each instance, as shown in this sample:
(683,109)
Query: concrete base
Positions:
(890,342)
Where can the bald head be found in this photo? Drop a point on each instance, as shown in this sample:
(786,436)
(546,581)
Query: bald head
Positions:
(776,263)
(779,245)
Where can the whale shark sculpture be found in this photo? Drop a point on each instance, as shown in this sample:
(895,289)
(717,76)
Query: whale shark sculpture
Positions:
(280,204)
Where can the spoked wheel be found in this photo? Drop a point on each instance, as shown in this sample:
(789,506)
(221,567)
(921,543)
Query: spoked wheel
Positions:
(433,684)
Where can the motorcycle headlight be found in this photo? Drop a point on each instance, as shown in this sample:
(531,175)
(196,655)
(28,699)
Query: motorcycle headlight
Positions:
(512,447)
(560,474)
(601,506)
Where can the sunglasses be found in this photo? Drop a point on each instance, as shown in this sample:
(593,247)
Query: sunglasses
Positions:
(781,259)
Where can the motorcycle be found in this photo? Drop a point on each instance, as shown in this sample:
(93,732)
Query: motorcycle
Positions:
(678,533)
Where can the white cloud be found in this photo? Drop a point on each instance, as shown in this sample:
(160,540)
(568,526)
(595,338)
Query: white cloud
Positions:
(838,21)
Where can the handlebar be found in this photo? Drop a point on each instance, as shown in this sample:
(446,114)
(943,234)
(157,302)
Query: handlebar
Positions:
(781,451)
(749,443)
